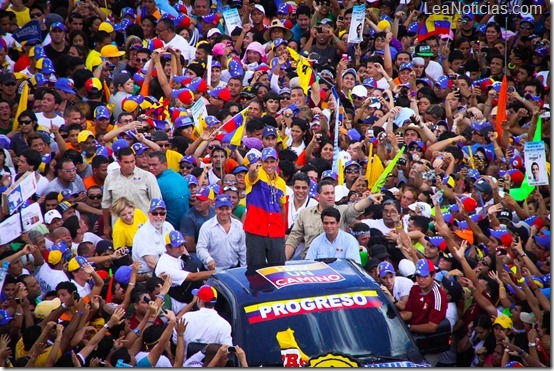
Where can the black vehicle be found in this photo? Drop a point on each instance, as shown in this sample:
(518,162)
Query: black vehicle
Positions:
(315,308)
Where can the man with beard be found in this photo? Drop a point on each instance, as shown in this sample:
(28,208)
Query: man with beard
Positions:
(149,241)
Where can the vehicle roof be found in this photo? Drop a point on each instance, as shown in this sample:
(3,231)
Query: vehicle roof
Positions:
(252,286)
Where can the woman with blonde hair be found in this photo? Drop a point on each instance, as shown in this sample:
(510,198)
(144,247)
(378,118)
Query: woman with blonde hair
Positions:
(130,219)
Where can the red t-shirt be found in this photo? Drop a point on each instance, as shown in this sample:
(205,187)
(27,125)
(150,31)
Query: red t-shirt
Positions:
(430,307)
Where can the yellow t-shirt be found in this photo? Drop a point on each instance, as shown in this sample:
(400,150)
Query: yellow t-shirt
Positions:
(41,360)
(123,233)
(21,17)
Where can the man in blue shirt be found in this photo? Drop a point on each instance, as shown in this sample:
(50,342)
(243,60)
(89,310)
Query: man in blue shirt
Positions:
(174,188)
(333,242)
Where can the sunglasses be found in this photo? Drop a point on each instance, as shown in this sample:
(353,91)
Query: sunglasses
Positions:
(187,166)
(143,60)
(526,27)
(25,122)
(417,149)
(95,197)
(230,188)
(158,213)
(164,144)
(285,97)
(211,146)
(230,182)
(10,84)
(36,15)
(352,171)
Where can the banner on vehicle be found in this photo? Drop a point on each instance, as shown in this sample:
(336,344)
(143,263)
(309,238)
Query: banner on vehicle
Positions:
(294,307)
(282,276)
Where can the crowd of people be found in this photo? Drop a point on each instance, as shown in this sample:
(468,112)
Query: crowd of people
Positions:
(164,146)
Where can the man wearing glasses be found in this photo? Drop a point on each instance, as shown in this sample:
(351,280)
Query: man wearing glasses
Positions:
(67,178)
(149,241)
(390,213)
(166,31)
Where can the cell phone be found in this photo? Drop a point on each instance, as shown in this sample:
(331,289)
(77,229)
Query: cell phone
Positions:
(231,350)
(511,89)
(340,17)
(345,57)
(18,300)
(402,161)
(370,133)
(319,29)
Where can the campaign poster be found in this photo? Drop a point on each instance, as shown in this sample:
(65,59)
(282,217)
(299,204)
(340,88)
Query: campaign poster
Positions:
(535,163)
(232,20)
(355,34)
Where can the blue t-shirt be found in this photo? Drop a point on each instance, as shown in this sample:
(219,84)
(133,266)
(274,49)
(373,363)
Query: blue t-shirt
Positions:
(192,221)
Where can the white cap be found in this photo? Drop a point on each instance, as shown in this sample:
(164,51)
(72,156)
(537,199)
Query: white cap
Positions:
(425,208)
(213,31)
(51,215)
(340,192)
(260,8)
(294,82)
(406,267)
(359,91)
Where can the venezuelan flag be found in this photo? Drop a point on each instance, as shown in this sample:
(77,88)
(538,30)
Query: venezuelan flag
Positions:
(229,128)
(436,24)
(304,70)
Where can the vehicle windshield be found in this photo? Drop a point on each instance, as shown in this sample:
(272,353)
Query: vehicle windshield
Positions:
(327,323)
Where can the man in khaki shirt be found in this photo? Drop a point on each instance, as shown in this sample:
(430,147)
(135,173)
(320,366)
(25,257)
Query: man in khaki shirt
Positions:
(130,181)
(308,225)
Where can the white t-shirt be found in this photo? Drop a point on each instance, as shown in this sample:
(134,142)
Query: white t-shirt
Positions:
(402,287)
(87,237)
(179,42)
(378,224)
(47,123)
(163,361)
(82,290)
(434,70)
(49,278)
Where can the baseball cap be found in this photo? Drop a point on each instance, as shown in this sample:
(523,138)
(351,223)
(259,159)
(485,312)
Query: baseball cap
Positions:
(45,65)
(351,163)
(260,8)
(189,159)
(379,251)
(483,186)
(205,193)
(64,206)
(384,268)
(102,112)
(206,293)
(528,318)
(423,51)
(123,274)
(223,201)
(212,32)
(76,263)
(156,203)
(51,215)
(239,169)
(139,148)
(191,179)
(127,11)
(423,206)
(54,257)
(468,203)
(424,267)
(58,25)
(437,241)
(269,130)
(372,263)
(252,156)
(453,288)
(106,26)
(253,142)
(543,240)
(329,174)
(174,238)
(221,93)
(64,84)
(45,307)
(111,51)
(359,91)
(268,153)
(93,85)
(504,321)
(503,235)
(104,245)
(84,135)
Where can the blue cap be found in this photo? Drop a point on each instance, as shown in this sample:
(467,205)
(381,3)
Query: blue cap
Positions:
(384,268)
(139,148)
(47,66)
(444,82)
(62,247)
(424,267)
(235,68)
(127,11)
(118,144)
(223,201)
(351,163)
(189,159)
(175,239)
(482,28)
(329,174)
(212,121)
(64,84)
(269,130)
(123,274)
(216,64)
(412,28)
(191,179)
(102,112)
(406,65)
(239,168)
(182,122)
(543,240)
(58,25)
(102,151)
(269,152)
(157,203)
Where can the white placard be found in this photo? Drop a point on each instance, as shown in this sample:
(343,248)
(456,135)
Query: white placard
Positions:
(10,229)
(355,34)
(209,70)
(197,109)
(232,19)
(19,192)
(535,163)
(32,216)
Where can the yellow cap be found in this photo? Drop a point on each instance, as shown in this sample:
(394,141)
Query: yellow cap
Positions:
(105,26)
(83,136)
(383,24)
(111,51)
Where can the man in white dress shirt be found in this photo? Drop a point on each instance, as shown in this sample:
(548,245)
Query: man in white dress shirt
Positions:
(166,31)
